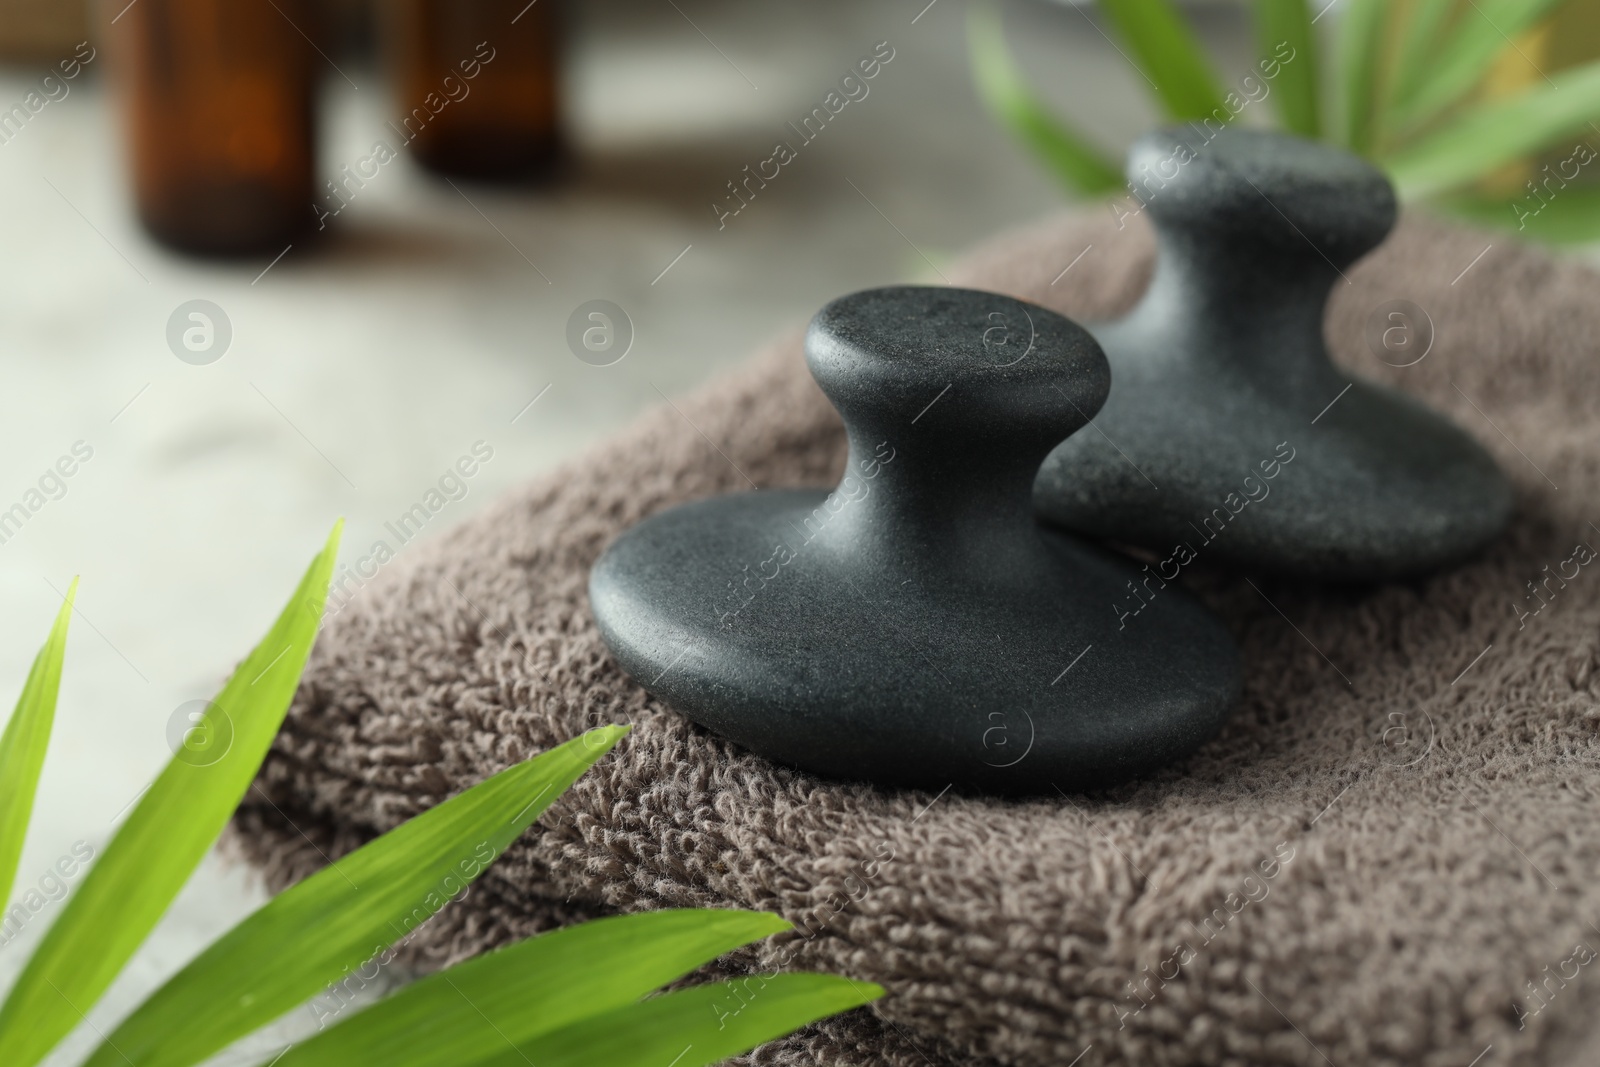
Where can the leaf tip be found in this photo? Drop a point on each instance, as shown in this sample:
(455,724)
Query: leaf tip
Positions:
(64,615)
(869,991)
(603,739)
(335,536)
(768,922)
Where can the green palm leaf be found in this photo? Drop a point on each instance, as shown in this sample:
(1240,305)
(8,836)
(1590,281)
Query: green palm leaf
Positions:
(164,839)
(692,1027)
(1498,133)
(1168,56)
(344,915)
(1572,216)
(23,745)
(1288,22)
(1419,39)
(474,1011)
(1077,164)
(1361,34)
(1483,31)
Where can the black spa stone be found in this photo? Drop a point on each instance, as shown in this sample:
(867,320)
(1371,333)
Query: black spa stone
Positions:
(1229,435)
(917,626)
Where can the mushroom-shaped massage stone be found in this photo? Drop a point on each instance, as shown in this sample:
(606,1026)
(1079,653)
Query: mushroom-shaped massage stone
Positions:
(917,626)
(1229,435)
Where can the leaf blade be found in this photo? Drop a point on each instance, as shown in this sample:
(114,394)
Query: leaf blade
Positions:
(1425,24)
(1573,217)
(531,988)
(692,1027)
(291,948)
(1498,133)
(1360,47)
(1485,29)
(1069,157)
(1168,55)
(23,745)
(1288,22)
(163,840)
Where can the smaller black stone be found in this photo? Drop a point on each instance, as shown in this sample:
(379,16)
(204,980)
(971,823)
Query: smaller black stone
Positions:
(917,626)
(1221,373)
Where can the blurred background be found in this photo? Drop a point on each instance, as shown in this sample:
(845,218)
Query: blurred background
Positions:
(270,262)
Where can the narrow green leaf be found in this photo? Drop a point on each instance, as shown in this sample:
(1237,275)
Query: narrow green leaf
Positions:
(473,1011)
(1168,55)
(345,915)
(1572,216)
(1419,43)
(164,839)
(692,1027)
(23,745)
(1075,163)
(1484,30)
(1360,60)
(1287,24)
(1497,133)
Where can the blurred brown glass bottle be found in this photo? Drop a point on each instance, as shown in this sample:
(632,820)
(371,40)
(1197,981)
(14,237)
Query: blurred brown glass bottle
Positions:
(220,114)
(478,85)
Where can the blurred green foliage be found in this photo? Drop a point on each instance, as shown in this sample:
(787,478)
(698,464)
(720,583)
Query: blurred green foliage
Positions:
(1416,86)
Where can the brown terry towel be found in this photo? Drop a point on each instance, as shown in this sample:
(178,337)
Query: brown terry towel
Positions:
(1389,856)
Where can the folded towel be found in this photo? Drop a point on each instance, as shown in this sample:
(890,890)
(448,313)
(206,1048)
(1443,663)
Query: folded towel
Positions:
(1388,856)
